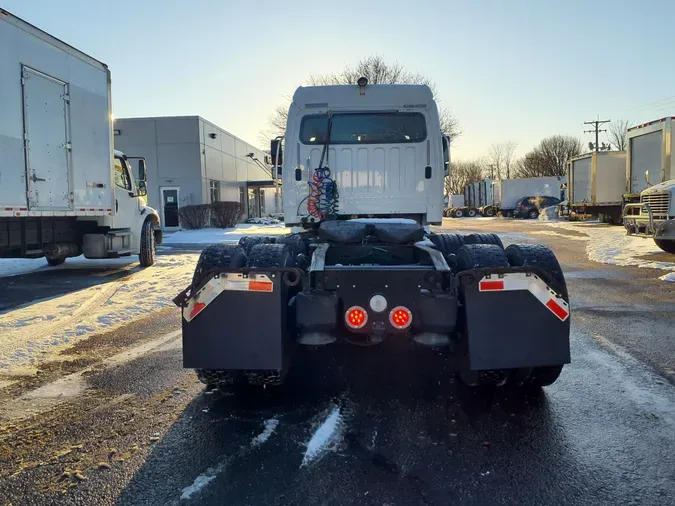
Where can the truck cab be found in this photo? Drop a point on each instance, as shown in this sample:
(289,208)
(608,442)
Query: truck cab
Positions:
(364,154)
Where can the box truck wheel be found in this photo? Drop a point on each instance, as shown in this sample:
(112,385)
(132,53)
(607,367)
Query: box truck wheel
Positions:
(53,262)
(667,245)
(489,212)
(471,212)
(458,213)
(148,246)
(484,239)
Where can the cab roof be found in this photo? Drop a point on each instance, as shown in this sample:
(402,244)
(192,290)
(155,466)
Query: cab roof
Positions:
(375,95)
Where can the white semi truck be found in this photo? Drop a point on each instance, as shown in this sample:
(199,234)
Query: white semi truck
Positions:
(363,169)
(650,181)
(64,190)
(597,184)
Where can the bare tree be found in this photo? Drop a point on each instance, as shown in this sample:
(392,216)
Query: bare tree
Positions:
(463,173)
(378,71)
(500,157)
(617,134)
(550,157)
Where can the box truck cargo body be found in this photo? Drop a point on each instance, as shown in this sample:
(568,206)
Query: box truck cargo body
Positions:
(649,159)
(597,183)
(650,180)
(507,192)
(63,190)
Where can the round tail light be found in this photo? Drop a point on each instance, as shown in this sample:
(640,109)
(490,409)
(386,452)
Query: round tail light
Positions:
(356,317)
(400,317)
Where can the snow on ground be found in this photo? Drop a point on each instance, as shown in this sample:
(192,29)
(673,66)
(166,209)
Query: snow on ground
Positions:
(326,436)
(610,245)
(222,235)
(16,266)
(30,333)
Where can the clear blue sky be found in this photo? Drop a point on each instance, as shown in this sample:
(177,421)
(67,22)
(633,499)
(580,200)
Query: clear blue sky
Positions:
(509,70)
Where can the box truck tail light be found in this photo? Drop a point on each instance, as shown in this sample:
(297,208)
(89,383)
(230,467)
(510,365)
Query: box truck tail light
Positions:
(400,317)
(356,317)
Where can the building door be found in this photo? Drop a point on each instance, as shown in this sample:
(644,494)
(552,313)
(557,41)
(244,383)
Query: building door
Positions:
(170,198)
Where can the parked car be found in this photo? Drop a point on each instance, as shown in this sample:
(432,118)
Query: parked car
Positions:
(529,207)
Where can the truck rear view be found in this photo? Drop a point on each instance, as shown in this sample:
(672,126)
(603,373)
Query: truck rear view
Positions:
(376,154)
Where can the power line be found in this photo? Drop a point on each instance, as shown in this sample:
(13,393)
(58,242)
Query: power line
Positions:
(597,130)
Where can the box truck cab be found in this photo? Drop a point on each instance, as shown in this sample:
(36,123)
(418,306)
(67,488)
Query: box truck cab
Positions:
(650,179)
(64,191)
(363,154)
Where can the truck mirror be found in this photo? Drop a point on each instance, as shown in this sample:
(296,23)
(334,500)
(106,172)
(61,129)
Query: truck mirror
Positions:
(276,150)
(142,170)
(142,188)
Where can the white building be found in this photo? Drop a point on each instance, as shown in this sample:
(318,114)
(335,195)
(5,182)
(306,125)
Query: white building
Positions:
(192,161)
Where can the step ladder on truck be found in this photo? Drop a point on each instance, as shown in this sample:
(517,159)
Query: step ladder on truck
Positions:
(361,265)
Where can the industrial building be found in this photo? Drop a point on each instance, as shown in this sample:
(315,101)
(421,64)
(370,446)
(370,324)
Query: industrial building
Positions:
(192,161)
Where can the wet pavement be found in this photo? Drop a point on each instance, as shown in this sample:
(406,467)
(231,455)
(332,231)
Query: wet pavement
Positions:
(384,425)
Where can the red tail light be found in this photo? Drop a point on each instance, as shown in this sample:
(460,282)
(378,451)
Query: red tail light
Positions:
(522,206)
(400,317)
(356,317)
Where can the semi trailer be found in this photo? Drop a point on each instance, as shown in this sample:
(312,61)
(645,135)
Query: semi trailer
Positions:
(363,169)
(64,190)
(485,198)
(506,192)
(649,209)
(455,206)
(597,183)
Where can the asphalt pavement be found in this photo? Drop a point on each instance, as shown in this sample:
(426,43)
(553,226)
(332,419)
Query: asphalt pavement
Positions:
(387,425)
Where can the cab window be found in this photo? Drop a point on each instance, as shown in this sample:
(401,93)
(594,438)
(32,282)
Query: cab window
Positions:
(121,176)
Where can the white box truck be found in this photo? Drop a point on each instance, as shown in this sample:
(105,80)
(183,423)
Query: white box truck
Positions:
(650,180)
(507,192)
(597,184)
(64,191)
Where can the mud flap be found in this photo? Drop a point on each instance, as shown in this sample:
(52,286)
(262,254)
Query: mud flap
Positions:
(237,321)
(513,319)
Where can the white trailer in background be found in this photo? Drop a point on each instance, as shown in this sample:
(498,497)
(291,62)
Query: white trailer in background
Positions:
(64,191)
(485,197)
(597,183)
(650,181)
(470,206)
(506,192)
(455,204)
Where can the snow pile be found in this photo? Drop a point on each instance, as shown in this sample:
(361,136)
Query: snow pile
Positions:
(270,426)
(548,213)
(263,221)
(28,333)
(326,436)
(223,235)
(668,277)
(16,266)
(611,245)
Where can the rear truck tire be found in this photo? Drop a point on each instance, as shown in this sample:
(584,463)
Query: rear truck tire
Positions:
(148,245)
(471,213)
(536,255)
(544,376)
(53,262)
(295,244)
(219,378)
(533,214)
(447,244)
(218,256)
(477,256)
(248,241)
(488,212)
(540,256)
(483,239)
(458,213)
(667,245)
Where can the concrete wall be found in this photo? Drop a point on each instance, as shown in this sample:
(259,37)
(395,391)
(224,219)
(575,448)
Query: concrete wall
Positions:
(188,152)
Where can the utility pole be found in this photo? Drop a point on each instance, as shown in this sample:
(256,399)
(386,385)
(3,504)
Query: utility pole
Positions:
(597,130)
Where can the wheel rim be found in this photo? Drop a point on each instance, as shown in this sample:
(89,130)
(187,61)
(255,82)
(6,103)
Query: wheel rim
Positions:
(459,214)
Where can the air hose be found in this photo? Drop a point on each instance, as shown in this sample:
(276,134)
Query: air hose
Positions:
(322,202)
